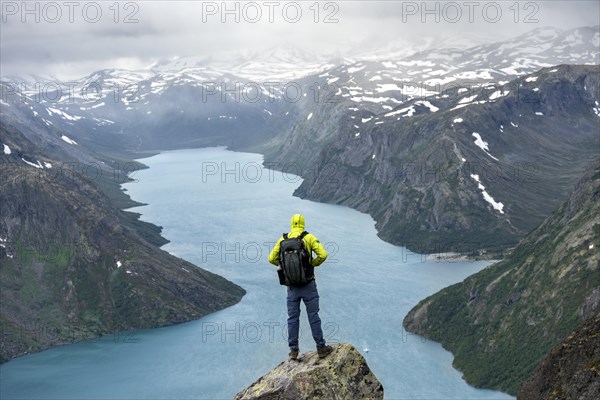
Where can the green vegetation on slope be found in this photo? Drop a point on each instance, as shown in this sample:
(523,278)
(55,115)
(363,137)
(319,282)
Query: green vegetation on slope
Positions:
(571,370)
(73,268)
(505,318)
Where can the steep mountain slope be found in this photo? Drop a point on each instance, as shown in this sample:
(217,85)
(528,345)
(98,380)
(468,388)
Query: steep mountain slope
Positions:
(72,269)
(571,370)
(108,167)
(472,171)
(500,322)
(377,134)
(131,111)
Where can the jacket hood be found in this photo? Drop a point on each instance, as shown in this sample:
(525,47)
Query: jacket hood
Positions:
(297,221)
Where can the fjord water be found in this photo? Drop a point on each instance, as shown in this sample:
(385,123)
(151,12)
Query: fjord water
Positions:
(222,211)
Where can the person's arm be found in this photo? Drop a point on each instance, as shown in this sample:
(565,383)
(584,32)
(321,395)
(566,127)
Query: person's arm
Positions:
(319,250)
(274,255)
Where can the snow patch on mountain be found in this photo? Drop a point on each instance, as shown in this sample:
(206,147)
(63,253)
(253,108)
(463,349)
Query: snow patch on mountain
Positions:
(386,87)
(468,99)
(487,197)
(63,114)
(480,142)
(352,70)
(499,93)
(410,110)
(475,75)
(68,140)
(368,99)
(427,104)
(38,165)
(98,105)
(483,145)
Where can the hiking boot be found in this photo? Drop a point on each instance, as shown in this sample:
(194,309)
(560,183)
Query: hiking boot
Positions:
(323,351)
(293,355)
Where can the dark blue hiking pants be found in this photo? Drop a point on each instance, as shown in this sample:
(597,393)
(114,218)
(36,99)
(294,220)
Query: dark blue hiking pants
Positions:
(310,296)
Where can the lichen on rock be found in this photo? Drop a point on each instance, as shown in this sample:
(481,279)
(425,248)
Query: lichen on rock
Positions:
(342,375)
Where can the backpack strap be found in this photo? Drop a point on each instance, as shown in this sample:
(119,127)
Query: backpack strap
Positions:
(285,236)
(303,234)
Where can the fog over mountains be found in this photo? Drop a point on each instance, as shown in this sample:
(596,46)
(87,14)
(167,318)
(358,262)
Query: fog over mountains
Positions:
(256,85)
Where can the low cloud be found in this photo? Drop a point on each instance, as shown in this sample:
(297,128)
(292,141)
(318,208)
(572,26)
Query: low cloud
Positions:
(71,41)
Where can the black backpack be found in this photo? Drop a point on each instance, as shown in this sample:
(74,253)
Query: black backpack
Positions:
(294,260)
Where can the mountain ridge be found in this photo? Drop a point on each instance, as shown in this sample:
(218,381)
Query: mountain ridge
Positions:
(507,317)
(459,157)
(75,265)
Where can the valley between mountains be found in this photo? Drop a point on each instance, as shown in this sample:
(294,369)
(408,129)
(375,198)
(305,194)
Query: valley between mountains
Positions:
(488,151)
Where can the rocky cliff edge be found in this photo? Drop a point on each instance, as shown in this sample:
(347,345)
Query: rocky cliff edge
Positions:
(343,374)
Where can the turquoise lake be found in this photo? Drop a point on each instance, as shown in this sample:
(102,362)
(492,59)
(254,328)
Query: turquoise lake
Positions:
(222,211)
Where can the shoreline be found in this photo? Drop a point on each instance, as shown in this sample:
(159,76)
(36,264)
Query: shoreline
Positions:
(449,256)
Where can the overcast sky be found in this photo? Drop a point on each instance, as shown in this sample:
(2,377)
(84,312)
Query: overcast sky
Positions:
(72,39)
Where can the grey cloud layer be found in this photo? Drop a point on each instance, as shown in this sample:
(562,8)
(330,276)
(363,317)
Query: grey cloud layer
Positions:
(167,29)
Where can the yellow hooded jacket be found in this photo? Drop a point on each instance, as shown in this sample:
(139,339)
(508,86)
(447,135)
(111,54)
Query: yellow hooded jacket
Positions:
(310,241)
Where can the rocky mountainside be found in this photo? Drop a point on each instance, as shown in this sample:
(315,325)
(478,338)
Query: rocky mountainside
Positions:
(500,322)
(571,370)
(448,150)
(135,111)
(72,266)
(342,375)
(473,169)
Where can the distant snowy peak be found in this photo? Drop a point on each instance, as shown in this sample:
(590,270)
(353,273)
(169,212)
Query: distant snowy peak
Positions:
(279,63)
(402,48)
(289,54)
(178,63)
(383,84)
(399,85)
(555,46)
(121,76)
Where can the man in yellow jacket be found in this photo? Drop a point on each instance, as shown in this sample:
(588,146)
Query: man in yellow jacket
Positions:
(307,293)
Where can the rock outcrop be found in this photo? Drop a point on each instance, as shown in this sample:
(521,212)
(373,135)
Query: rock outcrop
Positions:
(571,370)
(343,374)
